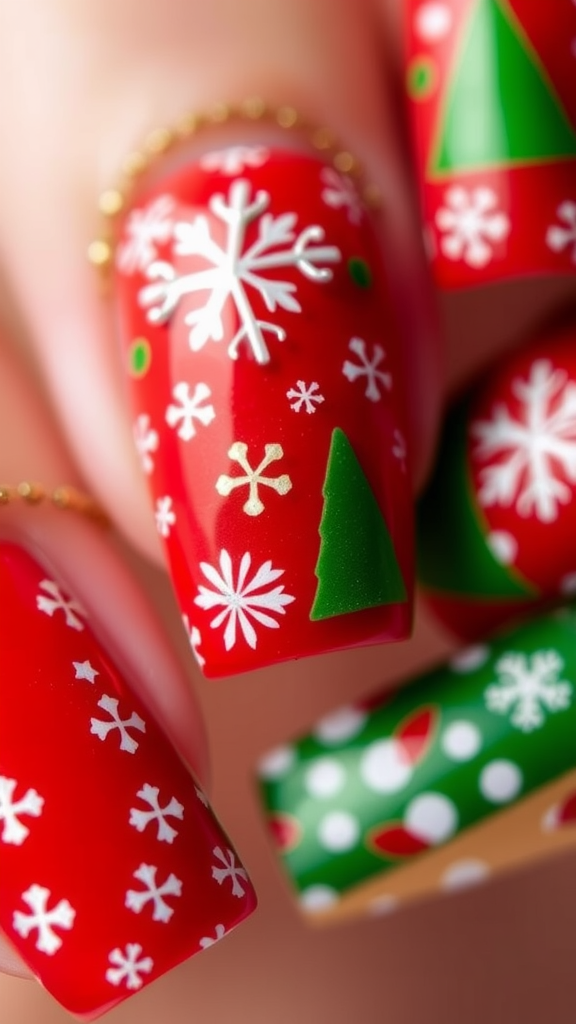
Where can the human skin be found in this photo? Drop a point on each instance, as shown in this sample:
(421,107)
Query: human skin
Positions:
(109,72)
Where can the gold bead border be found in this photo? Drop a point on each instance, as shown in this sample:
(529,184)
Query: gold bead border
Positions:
(113,201)
(63,497)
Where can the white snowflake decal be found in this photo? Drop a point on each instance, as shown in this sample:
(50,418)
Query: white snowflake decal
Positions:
(145,229)
(11,810)
(189,408)
(563,236)
(84,670)
(136,899)
(239,600)
(532,454)
(339,192)
(211,940)
(102,729)
(230,271)
(146,440)
(164,515)
(306,396)
(57,602)
(43,920)
(253,477)
(141,819)
(129,964)
(527,685)
(195,640)
(367,367)
(234,159)
(399,448)
(471,224)
(230,869)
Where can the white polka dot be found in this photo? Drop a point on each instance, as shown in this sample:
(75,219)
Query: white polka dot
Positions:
(432,21)
(461,740)
(318,897)
(341,725)
(464,873)
(470,658)
(503,546)
(431,817)
(276,762)
(325,777)
(338,831)
(568,584)
(384,768)
(383,904)
(500,781)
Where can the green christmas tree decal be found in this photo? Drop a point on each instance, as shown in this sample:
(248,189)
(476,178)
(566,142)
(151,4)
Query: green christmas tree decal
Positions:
(500,107)
(356,566)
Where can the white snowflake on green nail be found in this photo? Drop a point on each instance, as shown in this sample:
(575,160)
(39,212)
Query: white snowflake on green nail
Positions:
(528,685)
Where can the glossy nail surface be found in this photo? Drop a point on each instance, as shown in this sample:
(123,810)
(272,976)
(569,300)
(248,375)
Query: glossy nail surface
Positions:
(113,869)
(469,770)
(493,111)
(268,407)
(497,523)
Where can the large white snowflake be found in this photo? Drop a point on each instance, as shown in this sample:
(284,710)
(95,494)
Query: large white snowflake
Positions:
(238,599)
(140,819)
(136,899)
(230,869)
(11,810)
(563,236)
(471,224)
(42,919)
(368,368)
(231,270)
(129,965)
(254,478)
(55,601)
(145,230)
(101,729)
(532,453)
(526,686)
(189,407)
(306,396)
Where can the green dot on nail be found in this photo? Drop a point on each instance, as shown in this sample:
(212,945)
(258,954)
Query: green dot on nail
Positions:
(139,357)
(421,78)
(360,272)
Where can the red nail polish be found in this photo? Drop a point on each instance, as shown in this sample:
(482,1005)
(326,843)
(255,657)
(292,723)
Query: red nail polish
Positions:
(113,869)
(269,408)
(493,111)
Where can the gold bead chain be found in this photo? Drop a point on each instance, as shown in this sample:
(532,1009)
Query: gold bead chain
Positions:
(63,497)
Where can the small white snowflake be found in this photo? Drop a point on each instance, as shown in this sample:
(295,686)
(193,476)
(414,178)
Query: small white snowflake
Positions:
(340,193)
(102,729)
(230,271)
(230,870)
(195,640)
(399,448)
(11,810)
(563,236)
(84,670)
(145,229)
(136,899)
(305,395)
(56,601)
(471,224)
(527,685)
(531,453)
(164,515)
(239,600)
(189,408)
(140,819)
(43,920)
(201,796)
(367,368)
(146,440)
(129,965)
(211,940)
(253,478)
(234,159)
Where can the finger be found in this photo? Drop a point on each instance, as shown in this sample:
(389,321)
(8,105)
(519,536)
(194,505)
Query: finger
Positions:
(102,827)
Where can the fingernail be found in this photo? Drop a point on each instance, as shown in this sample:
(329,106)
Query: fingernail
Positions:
(493,114)
(268,406)
(496,525)
(113,868)
(465,773)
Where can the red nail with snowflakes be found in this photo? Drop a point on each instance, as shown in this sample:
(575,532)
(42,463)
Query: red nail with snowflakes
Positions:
(263,362)
(493,111)
(497,523)
(113,869)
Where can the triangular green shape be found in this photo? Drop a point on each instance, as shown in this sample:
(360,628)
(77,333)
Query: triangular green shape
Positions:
(356,565)
(500,107)
(452,554)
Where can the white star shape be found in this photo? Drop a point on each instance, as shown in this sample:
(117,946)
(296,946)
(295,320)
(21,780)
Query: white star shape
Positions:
(84,670)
